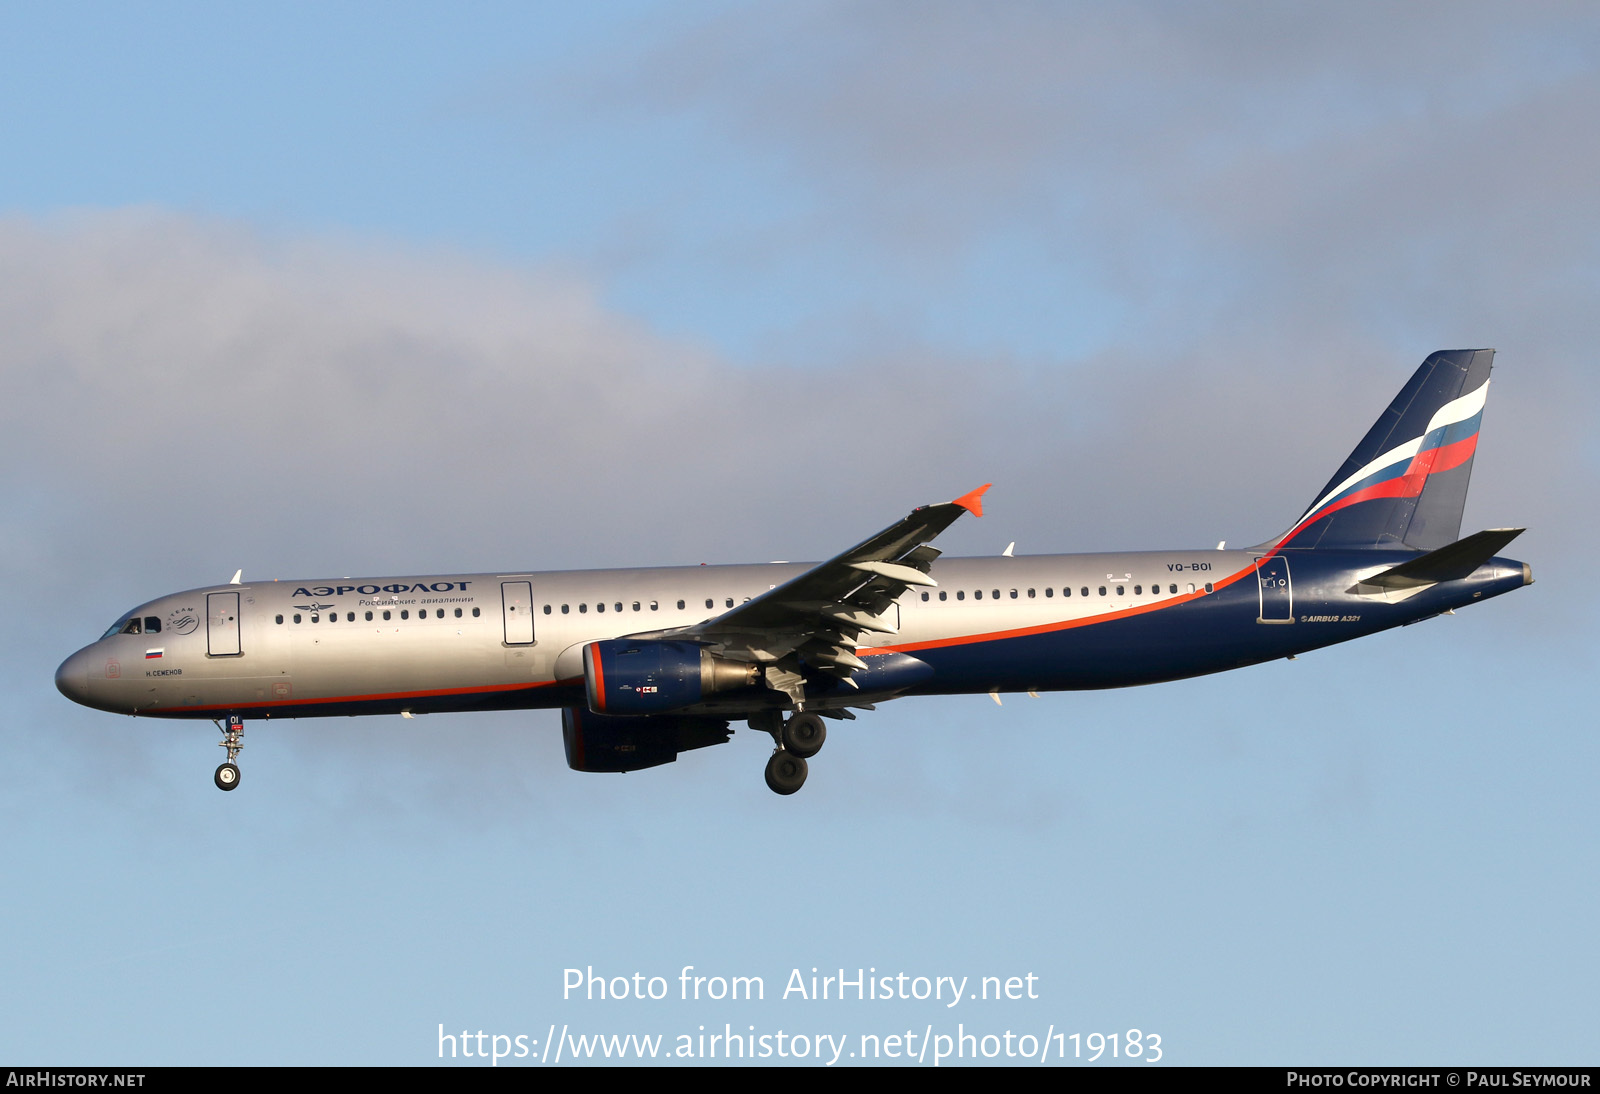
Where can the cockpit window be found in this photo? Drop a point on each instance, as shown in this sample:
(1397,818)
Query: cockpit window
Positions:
(132,624)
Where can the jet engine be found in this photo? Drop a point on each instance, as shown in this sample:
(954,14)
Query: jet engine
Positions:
(630,678)
(597,743)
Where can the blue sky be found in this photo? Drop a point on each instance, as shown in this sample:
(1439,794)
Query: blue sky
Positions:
(369,289)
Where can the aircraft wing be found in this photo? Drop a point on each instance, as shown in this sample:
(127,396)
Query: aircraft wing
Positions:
(814,622)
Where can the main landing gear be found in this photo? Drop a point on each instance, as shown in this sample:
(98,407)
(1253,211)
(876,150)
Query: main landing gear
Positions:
(227,776)
(797,739)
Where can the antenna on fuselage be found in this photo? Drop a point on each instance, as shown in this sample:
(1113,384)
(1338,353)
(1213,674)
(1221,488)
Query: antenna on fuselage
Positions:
(1012,546)
(237,574)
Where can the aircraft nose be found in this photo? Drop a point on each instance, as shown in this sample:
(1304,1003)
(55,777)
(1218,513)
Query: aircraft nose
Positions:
(72,678)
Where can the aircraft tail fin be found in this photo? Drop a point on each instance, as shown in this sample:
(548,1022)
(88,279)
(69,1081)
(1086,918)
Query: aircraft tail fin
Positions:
(1405,485)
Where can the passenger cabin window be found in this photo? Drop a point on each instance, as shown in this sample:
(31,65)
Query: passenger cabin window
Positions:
(280,619)
(369,617)
(474,613)
(386,615)
(708,601)
(1102,590)
(546,610)
(977,594)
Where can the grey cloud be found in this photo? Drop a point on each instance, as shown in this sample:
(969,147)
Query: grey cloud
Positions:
(1008,100)
(188,396)
(208,398)
(1361,163)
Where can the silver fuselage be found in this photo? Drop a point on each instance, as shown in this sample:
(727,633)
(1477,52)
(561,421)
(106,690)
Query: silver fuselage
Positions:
(514,640)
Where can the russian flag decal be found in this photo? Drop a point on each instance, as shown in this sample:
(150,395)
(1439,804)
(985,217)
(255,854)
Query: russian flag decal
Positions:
(154,655)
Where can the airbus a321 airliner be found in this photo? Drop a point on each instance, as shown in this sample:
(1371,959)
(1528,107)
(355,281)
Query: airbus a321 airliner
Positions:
(647,664)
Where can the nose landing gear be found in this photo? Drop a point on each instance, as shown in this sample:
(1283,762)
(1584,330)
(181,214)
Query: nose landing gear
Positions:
(227,776)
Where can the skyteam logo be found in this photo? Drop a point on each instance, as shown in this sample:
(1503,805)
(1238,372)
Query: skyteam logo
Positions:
(1402,472)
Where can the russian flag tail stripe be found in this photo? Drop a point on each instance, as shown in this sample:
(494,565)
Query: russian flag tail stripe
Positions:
(1406,483)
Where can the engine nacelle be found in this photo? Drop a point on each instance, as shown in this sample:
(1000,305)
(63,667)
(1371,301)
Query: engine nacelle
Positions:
(597,743)
(631,678)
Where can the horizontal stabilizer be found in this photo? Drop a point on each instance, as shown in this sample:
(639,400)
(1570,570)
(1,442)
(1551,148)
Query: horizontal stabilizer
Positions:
(1451,562)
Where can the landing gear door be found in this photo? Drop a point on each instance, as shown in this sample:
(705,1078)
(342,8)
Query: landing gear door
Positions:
(222,624)
(516,604)
(1277,594)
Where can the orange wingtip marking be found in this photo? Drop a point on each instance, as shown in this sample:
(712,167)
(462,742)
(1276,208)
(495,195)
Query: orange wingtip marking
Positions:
(973,502)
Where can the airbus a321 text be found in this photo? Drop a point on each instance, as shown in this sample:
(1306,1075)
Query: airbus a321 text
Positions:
(647,664)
